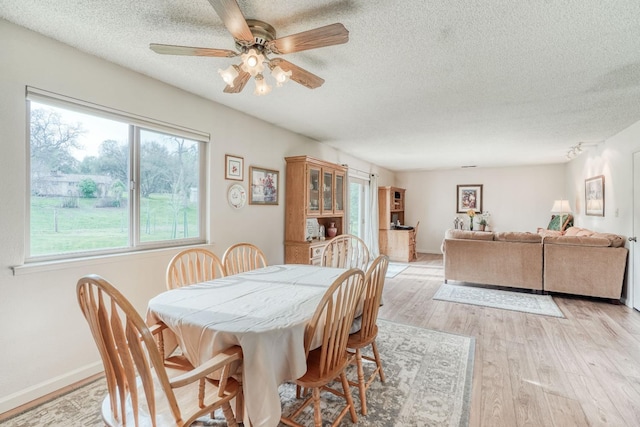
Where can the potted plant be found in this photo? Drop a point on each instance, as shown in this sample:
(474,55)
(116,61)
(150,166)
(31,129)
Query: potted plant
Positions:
(483,221)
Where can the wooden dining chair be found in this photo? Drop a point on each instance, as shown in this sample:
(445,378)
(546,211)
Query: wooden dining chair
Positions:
(141,389)
(330,327)
(413,241)
(243,257)
(193,265)
(345,251)
(374,282)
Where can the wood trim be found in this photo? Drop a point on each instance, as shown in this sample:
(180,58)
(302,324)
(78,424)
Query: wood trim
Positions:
(47,397)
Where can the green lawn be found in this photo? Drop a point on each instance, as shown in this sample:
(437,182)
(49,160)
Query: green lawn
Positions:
(55,229)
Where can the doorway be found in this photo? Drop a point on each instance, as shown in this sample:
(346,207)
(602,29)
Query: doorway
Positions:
(635,253)
(357,206)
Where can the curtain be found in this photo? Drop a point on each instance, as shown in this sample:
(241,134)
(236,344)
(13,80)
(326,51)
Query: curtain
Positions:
(371,218)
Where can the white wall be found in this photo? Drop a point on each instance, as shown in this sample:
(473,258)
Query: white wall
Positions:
(518,198)
(44,339)
(613,159)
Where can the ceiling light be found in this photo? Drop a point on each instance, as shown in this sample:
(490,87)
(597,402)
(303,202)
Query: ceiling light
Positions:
(229,75)
(262,88)
(280,75)
(252,62)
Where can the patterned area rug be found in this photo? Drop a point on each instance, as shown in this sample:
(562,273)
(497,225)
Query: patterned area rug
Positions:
(395,269)
(496,298)
(428,383)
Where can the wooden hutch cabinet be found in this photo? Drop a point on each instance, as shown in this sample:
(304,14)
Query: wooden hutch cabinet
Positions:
(315,191)
(395,242)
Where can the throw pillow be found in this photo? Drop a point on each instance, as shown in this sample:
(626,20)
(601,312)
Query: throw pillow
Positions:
(554,224)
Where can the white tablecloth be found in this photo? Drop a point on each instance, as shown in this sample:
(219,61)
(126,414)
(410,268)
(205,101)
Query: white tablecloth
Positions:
(265,311)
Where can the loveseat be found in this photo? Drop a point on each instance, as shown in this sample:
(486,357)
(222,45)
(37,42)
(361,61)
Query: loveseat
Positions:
(576,261)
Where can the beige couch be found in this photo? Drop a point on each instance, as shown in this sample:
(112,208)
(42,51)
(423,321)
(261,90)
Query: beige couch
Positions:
(511,259)
(583,262)
(578,261)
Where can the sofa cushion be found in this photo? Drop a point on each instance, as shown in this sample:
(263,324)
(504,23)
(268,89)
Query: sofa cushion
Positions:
(616,240)
(466,234)
(577,231)
(544,232)
(517,236)
(578,241)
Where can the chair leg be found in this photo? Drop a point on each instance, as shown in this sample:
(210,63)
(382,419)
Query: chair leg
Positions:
(240,406)
(317,415)
(378,361)
(347,395)
(228,414)
(361,383)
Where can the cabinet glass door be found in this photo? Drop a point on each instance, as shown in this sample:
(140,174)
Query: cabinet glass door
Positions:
(313,206)
(327,192)
(339,193)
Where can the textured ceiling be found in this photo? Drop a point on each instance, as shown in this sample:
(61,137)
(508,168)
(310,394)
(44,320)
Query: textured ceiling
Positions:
(420,85)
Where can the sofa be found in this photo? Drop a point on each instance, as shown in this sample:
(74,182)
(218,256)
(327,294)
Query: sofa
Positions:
(575,261)
(512,259)
(583,262)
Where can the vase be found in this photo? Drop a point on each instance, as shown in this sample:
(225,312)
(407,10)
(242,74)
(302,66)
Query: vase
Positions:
(471,224)
(332,230)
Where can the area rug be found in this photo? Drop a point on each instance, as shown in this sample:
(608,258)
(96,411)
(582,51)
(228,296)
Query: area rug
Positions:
(496,298)
(394,269)
(428,383)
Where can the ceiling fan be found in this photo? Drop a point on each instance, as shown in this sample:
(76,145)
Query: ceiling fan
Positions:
(255,40)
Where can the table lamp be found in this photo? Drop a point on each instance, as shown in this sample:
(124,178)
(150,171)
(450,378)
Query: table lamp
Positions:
(561,207)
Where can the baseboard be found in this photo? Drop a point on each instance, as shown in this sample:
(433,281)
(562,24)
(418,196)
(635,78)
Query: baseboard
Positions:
(53,386)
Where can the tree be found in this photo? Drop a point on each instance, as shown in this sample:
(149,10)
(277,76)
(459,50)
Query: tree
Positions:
(155,169)
(87,188)
(52,141)
(50,145)
(114,160)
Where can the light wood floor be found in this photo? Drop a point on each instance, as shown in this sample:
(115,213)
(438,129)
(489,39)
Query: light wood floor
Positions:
(533,370)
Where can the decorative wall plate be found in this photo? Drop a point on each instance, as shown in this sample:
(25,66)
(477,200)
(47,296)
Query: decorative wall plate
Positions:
(237,196)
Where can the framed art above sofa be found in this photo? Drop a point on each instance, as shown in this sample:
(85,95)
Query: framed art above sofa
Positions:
(469,197)
(594,196)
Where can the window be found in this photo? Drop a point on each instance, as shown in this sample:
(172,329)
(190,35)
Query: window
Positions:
(103,182)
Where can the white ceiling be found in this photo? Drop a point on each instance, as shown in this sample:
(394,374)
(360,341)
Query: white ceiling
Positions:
(420,85)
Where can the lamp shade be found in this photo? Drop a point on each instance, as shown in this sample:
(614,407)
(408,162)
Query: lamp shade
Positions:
(561,206)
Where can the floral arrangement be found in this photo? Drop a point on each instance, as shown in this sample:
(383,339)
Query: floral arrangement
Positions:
(471,214)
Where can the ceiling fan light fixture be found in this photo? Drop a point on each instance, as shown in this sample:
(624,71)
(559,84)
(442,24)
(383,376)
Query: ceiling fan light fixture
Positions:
(262,88)
(252,62)
(229,75)
(280,75)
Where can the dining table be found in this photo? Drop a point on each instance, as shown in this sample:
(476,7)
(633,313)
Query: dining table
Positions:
(265,311)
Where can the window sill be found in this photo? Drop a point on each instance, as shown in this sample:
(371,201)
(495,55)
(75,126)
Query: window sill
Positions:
(63,264)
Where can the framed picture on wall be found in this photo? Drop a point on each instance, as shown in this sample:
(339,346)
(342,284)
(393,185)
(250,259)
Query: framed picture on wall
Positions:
(594,196)
(469,197)
(264,186)
(233,167)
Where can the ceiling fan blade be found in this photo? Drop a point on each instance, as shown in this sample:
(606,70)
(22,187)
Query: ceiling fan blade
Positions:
(320,37)
(299,75)
(169,49)
(239,83)
(233,19)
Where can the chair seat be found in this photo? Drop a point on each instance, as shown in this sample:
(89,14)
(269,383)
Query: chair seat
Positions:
(356,340)
(313,378)
(185,397)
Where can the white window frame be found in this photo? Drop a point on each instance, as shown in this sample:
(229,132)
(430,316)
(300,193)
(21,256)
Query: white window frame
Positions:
(136,123)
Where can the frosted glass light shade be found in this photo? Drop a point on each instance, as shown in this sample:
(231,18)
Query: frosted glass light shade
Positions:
(280,75)
(262,88)
(252,62)
(229,75)
(561,206)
